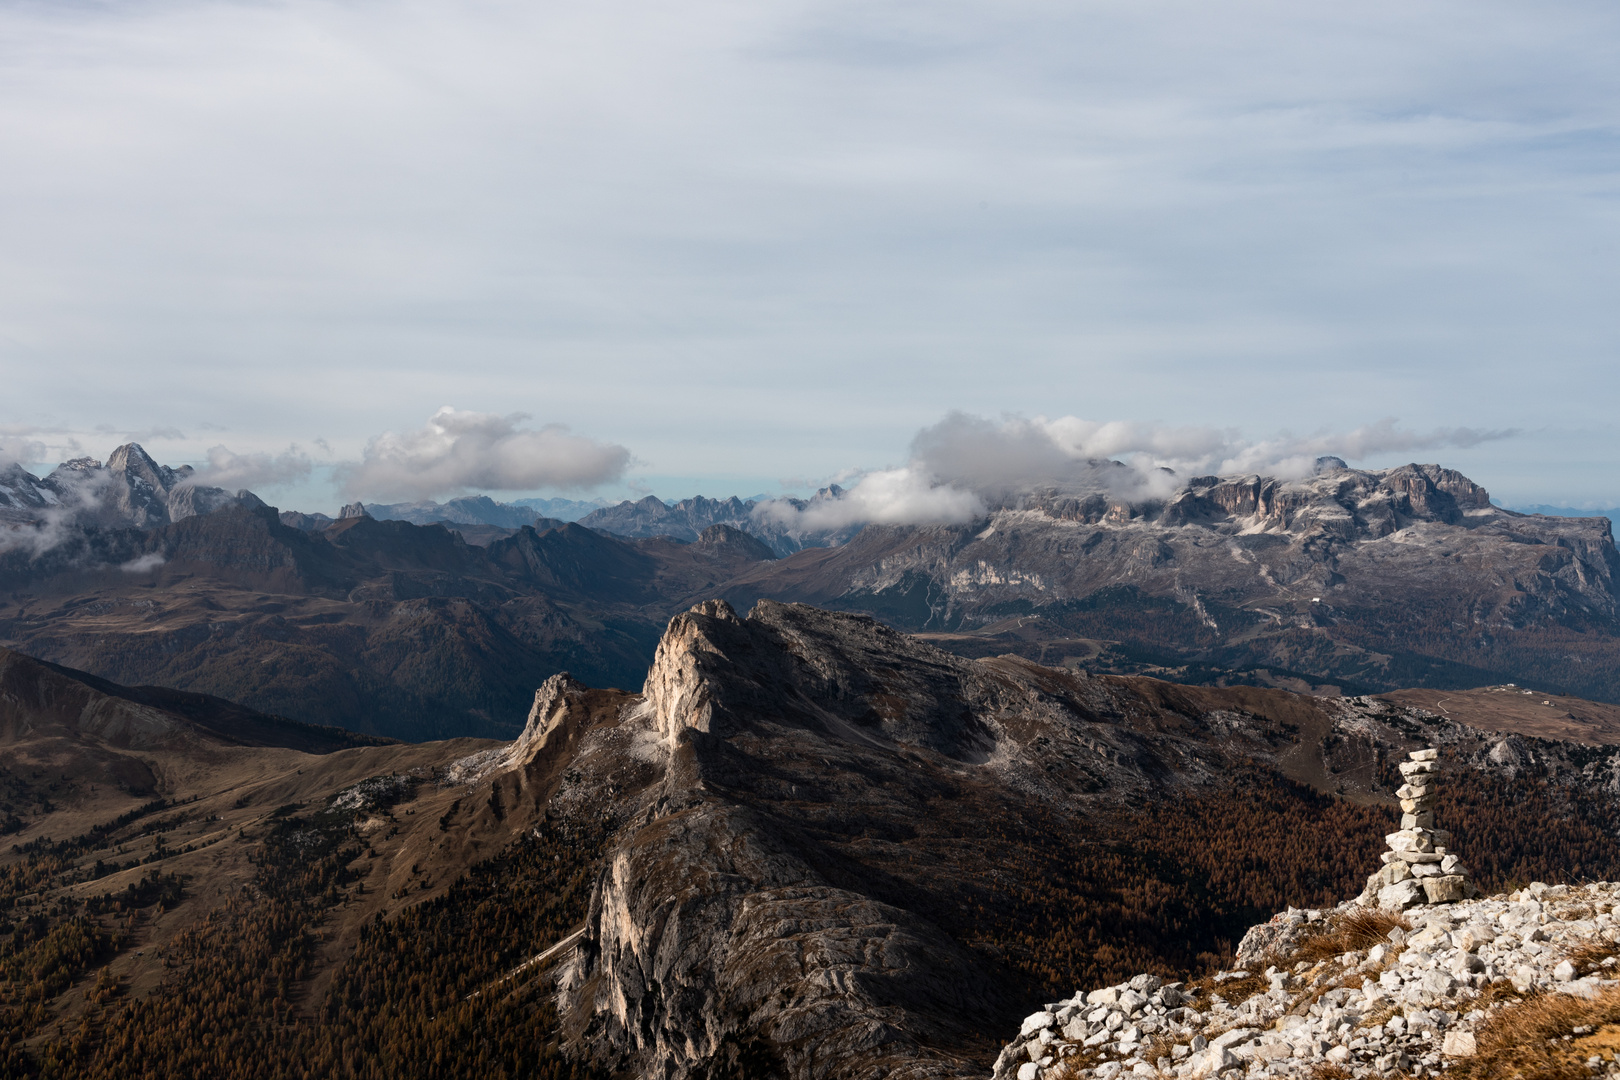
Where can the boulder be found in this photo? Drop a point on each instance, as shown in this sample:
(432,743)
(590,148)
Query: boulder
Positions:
(1404,894)
(1459,1043)
(1444,889)
(1210,1062)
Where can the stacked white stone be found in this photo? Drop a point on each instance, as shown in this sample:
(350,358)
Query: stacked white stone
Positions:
(1417,867)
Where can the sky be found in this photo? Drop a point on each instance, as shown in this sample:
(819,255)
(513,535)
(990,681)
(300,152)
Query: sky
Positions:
(351,249)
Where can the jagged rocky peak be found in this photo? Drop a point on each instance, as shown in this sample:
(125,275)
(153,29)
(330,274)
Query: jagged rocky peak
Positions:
(130,489)
(1354,503)
(845,676)
(708,905)
(132,458)
(551,703)
(22,494)
(680,684)
(353,510)
(723,540)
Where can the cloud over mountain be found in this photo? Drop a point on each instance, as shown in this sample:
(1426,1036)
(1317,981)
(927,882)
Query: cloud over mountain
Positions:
(964,464)
(459,451)
(227,469)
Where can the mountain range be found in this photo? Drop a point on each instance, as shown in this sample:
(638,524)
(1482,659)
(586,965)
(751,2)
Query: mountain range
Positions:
(1346,581)
(129,490)
(808,846)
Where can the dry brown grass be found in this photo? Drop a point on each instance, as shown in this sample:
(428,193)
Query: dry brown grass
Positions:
(1358,930)
(1329,1071)
(1589,957)
(1234,991)
(1379,1016)
(1498,992)
(1155,1048)
(1526,1041)
(1070,1068)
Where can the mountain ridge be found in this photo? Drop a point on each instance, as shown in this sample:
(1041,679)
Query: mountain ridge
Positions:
(1348,581)
(809,846)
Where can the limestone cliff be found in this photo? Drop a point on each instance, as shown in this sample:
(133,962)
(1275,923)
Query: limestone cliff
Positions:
(816,819)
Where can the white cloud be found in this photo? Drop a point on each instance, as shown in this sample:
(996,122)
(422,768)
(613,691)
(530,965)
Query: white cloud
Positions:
(634,214)
(142,563)
(906,496)
(965,464)
(17,450)
(226,469)
(1013,455)
(457,452)
(59,521)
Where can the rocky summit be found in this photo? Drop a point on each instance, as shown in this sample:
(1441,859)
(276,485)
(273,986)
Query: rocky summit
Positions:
(1433,993)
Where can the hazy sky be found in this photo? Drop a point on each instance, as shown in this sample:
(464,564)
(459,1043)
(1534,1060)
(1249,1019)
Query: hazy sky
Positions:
(738,244)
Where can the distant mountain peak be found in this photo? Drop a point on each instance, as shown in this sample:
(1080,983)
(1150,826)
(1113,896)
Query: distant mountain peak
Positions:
(131,489)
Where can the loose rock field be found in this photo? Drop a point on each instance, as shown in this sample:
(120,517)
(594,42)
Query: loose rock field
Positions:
(1430,994)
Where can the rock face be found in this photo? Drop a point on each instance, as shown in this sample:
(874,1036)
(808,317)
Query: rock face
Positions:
(130,490)
(1406,1006)
(1357,578)
(713,939)
(801,802)
(466,510)
(683,520)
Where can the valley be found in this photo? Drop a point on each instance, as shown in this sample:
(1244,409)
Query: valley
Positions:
(808,838)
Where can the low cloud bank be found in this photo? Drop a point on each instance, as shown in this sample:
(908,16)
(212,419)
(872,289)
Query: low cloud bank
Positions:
(906,496)
(20,450)
(78,495)
(965,465)
(226,469)
(456,452)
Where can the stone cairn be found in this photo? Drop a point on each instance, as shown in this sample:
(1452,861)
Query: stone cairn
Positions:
(1417,867)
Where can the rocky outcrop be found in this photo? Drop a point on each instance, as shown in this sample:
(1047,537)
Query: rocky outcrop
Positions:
(1409,1003)
(724,540)
(802,800)
(713,936)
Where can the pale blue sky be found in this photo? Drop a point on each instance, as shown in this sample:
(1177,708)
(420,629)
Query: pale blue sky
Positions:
(762,241)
